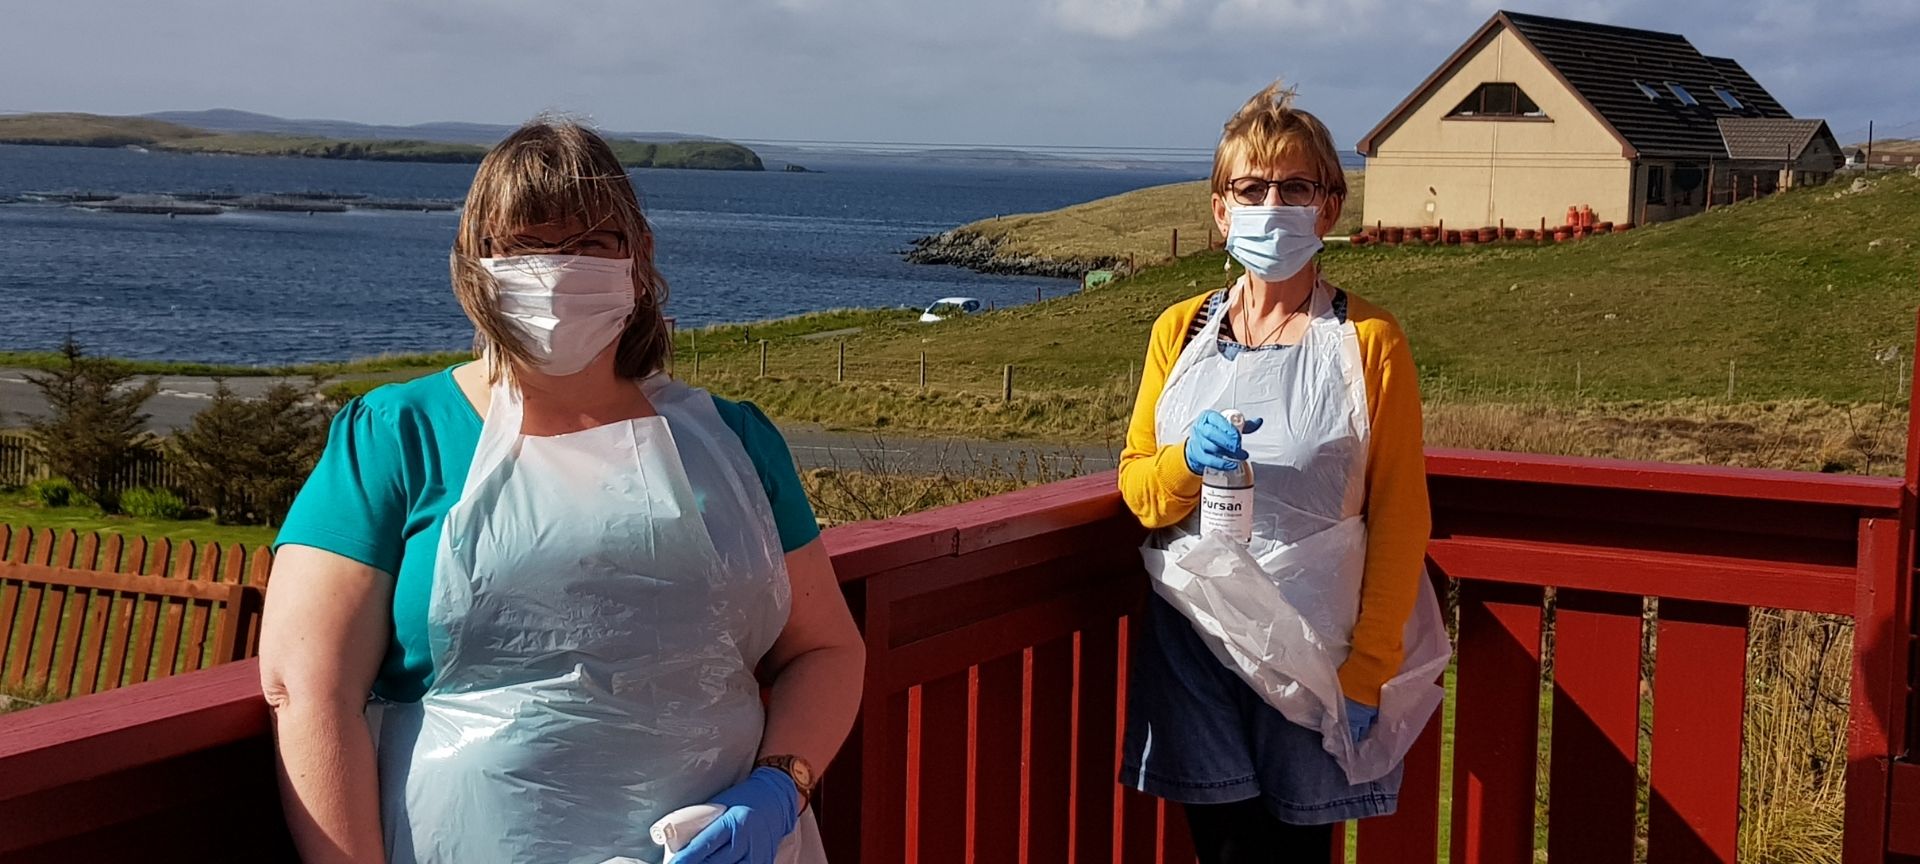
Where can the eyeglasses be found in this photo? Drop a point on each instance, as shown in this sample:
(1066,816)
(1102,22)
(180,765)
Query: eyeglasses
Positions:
(1294,191)
(599,242)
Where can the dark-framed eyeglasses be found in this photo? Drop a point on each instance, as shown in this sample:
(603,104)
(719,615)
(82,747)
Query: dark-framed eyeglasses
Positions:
(601,242)
(1294,191)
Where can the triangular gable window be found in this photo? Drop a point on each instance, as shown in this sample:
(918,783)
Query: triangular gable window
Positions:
(1498,100)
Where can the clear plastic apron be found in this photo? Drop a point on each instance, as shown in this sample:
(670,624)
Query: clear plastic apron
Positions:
(1280,612)
(600,600)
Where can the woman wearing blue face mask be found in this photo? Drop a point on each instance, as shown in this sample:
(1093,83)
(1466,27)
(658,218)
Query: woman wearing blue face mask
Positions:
(547,578)
(1276,684)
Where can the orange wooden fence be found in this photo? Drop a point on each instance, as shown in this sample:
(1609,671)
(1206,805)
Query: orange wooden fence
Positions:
(82,613)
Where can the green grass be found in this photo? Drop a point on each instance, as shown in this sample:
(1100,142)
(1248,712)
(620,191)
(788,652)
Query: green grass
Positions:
(1787,290)
(17,508)
(93,130)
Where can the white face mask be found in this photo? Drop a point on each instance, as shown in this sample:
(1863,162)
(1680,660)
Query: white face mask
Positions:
(1273,242)
(566,309)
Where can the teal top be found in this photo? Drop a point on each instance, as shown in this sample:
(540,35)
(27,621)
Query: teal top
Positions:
(397,459)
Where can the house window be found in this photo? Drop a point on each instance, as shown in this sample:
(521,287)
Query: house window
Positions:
(1648,91)
(1728,97)
(1681,94)
(1657,185)
(1497,100)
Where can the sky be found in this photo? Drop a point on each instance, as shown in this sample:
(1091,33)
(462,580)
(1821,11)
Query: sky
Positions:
(1133,73)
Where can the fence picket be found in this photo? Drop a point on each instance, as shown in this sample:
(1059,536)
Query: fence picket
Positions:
(944,758)
(1050,759)
(132,556)
(173,614)
(10,538)
(998,765)
(1694,799)
(146,619)
(48,634)
(29,548)
(76,668)
(193,636)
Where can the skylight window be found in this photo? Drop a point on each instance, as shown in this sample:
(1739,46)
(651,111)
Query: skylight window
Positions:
(1681,94)
(1728,97)
(1648,91)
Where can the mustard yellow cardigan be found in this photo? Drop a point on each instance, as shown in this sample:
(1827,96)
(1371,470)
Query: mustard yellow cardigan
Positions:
(1160,489)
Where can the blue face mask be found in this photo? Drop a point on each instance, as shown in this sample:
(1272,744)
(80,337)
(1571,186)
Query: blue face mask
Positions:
(1273,243)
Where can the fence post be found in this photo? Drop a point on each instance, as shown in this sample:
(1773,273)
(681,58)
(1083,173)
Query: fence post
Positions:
(923,371)
(763,358)
(1176,243)
(840,369)
(1730,368)
(696,364)
(1006,385)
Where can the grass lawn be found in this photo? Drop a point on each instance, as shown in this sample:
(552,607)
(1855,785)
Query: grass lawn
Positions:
(1806,295)
(18,508)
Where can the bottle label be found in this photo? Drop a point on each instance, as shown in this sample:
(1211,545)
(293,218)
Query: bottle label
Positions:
(1227,511)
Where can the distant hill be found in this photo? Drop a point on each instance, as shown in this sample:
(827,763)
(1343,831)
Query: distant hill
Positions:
(92,130)
(484,134)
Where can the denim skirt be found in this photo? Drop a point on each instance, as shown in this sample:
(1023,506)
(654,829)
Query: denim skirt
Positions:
(1197,734)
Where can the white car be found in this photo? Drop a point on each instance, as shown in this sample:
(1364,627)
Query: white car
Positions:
(947,307)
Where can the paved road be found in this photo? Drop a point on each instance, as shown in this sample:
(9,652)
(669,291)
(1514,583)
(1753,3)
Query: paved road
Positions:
(813,447)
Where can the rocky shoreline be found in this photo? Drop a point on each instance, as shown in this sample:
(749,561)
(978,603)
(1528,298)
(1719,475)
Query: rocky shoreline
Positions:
(981,253)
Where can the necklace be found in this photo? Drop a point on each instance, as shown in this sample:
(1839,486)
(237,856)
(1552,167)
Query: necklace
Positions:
(1246,314)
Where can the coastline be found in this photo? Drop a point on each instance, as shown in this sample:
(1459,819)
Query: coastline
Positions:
(979,252)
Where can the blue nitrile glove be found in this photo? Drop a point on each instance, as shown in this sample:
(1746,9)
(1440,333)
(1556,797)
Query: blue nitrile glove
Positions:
(1360,719)
(761,811)
(1214,443)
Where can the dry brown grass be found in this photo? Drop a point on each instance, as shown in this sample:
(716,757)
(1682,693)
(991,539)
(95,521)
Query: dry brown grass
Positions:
(1797,435)
(1793,788)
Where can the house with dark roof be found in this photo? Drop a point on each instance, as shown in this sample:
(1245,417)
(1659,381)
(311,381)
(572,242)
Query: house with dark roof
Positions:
(1534,115)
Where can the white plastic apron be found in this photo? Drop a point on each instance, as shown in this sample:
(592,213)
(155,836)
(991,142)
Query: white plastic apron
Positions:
(1280,612)
(600,600)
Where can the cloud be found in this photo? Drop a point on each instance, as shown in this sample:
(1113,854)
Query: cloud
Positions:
(1116,19)
(1135,72)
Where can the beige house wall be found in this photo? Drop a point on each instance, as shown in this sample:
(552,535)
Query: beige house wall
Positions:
(1477,172)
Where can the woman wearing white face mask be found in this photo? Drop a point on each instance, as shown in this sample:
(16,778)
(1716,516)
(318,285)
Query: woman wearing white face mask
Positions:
(556,571)
(1277,684)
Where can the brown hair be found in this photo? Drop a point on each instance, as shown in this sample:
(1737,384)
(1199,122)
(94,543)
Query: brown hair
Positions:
(1268,129)
(551,170)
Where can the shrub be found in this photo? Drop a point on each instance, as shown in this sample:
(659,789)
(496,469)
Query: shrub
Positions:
(148,503)
(94,427)
(246,458)
(55,492)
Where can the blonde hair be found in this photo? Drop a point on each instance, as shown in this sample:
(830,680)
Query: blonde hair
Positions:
(552,170)
(1267,130)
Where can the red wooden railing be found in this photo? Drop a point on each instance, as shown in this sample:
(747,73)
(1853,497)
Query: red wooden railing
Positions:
(997,632)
